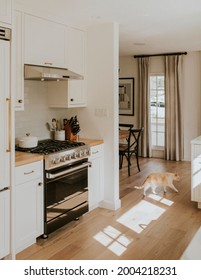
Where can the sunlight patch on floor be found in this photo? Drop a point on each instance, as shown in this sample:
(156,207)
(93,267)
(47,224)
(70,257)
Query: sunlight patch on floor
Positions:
(137,219)
(160,199)
(113,239)
(139,216)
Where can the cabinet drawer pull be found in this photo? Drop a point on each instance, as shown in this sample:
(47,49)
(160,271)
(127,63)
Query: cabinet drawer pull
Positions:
(96,152)
(8,149)
(30,172)
(40,184)
(48,63)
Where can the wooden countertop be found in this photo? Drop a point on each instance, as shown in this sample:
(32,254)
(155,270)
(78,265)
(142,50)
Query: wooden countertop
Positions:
(91,142)
(22,158)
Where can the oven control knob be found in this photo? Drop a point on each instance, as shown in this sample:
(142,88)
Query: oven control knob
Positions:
(80,154)
(56,160)
(73,155)
(63,159)
(68,157)
(86,152)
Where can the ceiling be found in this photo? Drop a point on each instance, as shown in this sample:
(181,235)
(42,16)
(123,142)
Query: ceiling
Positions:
(145,26)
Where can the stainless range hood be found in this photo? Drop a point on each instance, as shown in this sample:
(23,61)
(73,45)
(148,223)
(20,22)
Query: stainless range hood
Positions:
(43,73)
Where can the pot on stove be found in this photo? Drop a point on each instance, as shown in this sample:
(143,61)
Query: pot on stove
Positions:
(28,141)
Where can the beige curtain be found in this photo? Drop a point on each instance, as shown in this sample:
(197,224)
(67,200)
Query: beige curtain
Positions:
(173,109)
(144,107)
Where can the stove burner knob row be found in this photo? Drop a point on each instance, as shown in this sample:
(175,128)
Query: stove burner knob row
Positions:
(65,158)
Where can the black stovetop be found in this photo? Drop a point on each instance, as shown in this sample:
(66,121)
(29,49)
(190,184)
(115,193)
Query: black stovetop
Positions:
(49,146)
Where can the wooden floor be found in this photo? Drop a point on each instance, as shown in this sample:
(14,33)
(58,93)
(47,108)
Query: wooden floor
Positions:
(157,228)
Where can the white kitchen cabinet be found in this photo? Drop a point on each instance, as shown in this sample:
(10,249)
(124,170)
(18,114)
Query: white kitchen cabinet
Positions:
(76,63)
(29,204)
(5,118)
(66,94)
(19,55)
(44,42)
(196,170)
(71,93)
(96,176)
(75,44)
(5,146)
(6,11)
(5,223)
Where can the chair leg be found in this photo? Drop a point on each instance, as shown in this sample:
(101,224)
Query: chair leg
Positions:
(129,164)
(121,158)
(137,162)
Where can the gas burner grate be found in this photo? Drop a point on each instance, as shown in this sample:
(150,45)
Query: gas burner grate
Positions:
(49,146)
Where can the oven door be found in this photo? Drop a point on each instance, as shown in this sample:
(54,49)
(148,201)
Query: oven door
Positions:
(66,195)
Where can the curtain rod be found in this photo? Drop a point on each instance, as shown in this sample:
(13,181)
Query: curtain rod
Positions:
(162,54)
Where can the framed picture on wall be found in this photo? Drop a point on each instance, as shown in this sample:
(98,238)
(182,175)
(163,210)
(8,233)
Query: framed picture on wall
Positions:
(126,96)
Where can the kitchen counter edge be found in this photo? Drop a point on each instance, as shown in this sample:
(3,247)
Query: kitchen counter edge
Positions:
(91,142)
(22,158)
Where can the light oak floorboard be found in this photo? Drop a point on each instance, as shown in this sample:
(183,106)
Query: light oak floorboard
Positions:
(161,238)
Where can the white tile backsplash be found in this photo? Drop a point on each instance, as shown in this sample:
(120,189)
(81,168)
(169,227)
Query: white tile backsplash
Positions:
(36,113)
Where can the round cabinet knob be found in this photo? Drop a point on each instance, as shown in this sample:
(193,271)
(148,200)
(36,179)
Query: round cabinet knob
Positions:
(71,99)
(40,184)
(20,101)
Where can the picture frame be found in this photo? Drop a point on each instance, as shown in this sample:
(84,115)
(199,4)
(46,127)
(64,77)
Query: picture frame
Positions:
(126,96)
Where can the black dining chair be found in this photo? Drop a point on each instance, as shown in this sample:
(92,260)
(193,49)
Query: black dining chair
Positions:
(125,125)
(130,148)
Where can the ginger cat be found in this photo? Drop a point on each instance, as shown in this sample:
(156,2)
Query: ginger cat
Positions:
(163,179)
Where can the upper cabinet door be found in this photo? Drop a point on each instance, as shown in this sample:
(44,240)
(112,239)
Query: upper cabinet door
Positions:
(6,11)
(76,50)
(44,42)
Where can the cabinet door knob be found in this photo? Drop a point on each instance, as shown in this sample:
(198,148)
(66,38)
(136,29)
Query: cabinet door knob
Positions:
(40,183)
(71,99)
(20,101)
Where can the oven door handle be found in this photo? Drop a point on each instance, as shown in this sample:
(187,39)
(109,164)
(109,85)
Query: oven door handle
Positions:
(53,176)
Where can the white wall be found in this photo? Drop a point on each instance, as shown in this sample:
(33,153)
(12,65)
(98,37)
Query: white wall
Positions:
(100,119)
(128,69)
(192,100)
(191,87)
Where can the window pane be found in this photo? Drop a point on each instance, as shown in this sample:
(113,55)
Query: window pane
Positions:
(157,104)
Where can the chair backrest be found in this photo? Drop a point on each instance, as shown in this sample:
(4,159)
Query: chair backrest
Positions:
(133,139)
(125,125)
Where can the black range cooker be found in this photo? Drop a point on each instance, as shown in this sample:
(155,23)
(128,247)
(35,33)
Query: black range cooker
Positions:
(65,181)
